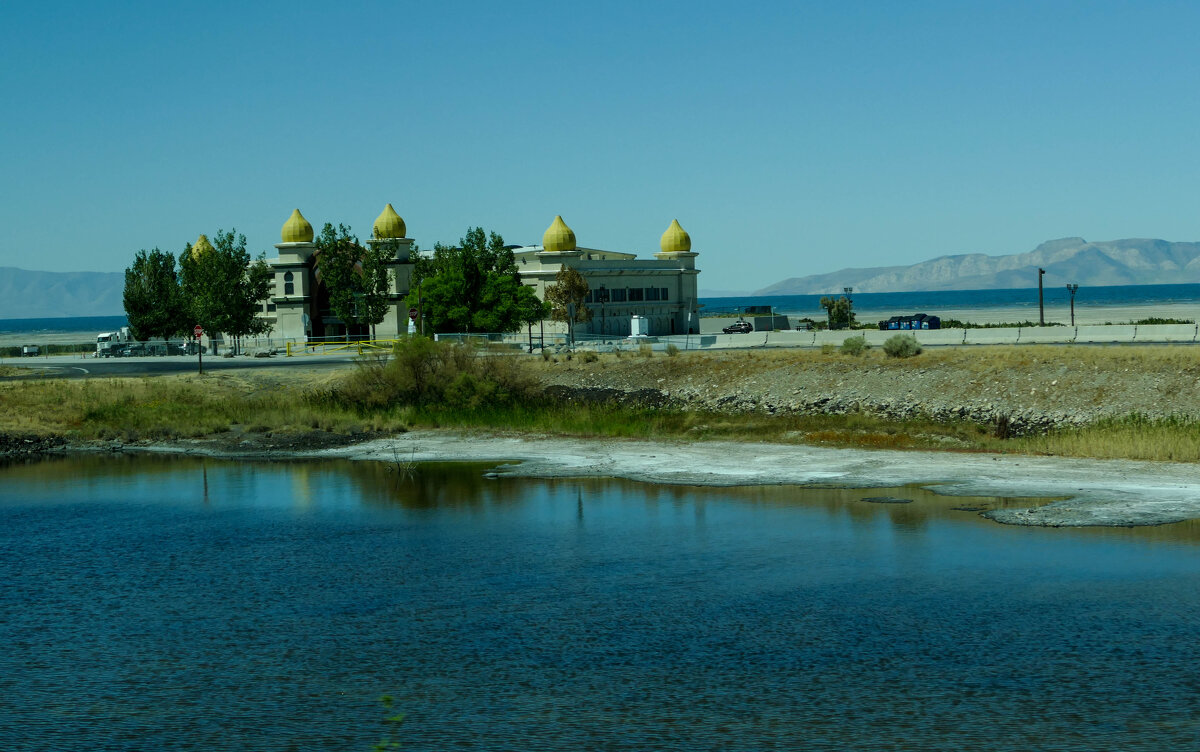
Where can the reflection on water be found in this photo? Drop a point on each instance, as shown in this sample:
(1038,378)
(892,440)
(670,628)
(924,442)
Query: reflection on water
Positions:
(153,602)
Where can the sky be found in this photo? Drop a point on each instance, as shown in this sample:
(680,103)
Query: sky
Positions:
(788,138)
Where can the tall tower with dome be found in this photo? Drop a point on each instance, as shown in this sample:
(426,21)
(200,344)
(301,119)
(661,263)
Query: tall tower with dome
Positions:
(299,305)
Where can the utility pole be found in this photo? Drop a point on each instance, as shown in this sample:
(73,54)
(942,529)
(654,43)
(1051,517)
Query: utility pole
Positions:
(1041,303)
(1072,288)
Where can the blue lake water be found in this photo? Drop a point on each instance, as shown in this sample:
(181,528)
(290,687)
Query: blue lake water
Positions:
(159,603)
(1022,302)
(63,324)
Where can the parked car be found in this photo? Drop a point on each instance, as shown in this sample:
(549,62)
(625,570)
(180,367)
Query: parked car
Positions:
(739,327)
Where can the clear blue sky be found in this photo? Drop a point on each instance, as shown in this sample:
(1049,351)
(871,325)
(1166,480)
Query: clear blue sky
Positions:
(788,138)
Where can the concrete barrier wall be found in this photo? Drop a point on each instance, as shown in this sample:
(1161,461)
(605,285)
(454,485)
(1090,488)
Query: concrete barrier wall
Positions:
(1004,336)
(935,336)
(1104,333)
(1167,333)
(1032,335)
(1097,334)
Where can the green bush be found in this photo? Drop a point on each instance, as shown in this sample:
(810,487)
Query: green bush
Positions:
(588,356)
(902,346)
(855,346)
(436,374)
(672,351)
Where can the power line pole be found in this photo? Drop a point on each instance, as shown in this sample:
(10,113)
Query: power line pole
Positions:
(1041,303)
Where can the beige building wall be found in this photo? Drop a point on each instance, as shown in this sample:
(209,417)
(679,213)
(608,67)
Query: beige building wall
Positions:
(664,289)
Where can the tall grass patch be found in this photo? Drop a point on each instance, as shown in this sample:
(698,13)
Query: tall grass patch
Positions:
(1136,437)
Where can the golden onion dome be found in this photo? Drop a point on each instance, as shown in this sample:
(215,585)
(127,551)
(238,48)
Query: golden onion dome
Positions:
(296,229)
(201,247)
(675,239)
(558,237)
(389,225)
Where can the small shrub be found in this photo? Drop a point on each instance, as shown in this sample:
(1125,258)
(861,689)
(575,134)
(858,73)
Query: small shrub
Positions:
(588,356)
(855,346)
(902,346)
(1002,427)
(672,351)
(645,350)
(828,349)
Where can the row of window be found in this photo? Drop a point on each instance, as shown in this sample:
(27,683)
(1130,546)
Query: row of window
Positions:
(627,295)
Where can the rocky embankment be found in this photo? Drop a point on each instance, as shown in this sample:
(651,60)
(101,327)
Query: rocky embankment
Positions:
(18,445)
(1017,390)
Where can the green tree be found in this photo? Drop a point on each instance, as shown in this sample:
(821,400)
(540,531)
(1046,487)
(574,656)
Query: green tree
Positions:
(569,290)
(223,288)
(357,277)
(841,315)
(473,286)
(153,302)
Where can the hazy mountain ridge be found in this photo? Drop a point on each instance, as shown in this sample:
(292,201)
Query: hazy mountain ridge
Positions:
(1132,261)
(34,295)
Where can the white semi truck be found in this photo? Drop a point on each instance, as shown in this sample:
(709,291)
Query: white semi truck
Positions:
(109,344)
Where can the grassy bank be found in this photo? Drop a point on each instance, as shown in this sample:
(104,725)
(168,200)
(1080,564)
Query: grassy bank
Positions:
(430,385)
(170,407)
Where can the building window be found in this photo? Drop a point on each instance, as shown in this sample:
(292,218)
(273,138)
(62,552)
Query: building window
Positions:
(653,293)
(588,298)
(618,296)
(270,307)
(289,286)
(664,294)
(636,295)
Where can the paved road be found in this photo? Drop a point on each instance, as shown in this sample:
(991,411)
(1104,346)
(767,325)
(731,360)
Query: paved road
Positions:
(66,366)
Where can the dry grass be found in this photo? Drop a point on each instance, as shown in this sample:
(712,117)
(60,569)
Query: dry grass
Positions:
(1134,437)
(170,407)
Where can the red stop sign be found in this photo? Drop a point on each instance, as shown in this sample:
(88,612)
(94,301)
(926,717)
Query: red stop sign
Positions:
(198,331)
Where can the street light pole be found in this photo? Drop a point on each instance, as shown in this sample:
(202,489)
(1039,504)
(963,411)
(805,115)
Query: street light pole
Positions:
(1041,304)
(1071,288)
(602,298)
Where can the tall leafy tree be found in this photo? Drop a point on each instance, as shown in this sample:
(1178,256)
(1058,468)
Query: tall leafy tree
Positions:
(569,288)
(357,277)
(841,314)
(474,287)
(223,287)
(153,302)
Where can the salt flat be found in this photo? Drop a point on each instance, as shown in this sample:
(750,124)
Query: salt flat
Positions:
(1093,492)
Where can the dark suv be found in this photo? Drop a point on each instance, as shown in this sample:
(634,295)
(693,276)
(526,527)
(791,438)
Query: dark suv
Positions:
(739,327)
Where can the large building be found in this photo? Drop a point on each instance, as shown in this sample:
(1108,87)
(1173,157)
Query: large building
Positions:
(621,286)
(661,291)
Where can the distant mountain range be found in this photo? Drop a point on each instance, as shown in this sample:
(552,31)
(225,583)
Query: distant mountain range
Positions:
(1135,261)
(36,295)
